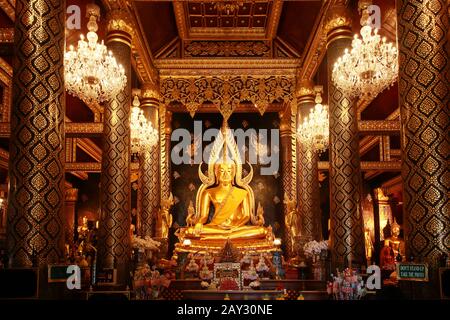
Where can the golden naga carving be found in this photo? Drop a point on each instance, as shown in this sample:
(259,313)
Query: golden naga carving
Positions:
(165,219)
(291,219)
(224,188)
(226,93)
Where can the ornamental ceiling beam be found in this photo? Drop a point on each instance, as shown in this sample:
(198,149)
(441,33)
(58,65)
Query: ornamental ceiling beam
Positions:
(379,127)
(389,166)
(226,93)
(226,67)
(95,129)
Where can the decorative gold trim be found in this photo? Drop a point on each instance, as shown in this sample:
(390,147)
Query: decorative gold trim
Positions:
(83,166)
(6,78)
(388,166)
(226,48)
(227,93)
(4,159)
(367,143)
(72,129)
(5,129)
(224,66)
(90,148)
(274,19)
(6,35)
(315,48)
(179,18)
(385,148)
(379,127)
(9,8)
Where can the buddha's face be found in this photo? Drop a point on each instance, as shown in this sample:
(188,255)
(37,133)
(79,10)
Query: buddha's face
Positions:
(395,231)
(225,172)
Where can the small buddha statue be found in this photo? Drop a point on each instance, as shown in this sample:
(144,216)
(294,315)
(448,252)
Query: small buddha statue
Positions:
(229,194)
(395,242)
(387,257)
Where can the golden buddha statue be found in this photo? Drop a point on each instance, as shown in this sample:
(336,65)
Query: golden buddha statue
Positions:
(224,189)
(395,242)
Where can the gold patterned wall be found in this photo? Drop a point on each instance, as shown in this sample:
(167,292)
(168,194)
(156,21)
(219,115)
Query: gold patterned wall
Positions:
(114,238)
(36,165)
(424,102)
(347,237)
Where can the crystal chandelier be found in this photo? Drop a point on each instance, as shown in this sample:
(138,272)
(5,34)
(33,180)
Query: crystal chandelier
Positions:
(143,135)
(91,72)
(369,67)
(315,128)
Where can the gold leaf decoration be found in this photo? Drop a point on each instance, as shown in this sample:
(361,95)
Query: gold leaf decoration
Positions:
(227,92)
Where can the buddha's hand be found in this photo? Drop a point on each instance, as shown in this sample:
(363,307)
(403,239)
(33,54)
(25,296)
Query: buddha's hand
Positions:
(198,228)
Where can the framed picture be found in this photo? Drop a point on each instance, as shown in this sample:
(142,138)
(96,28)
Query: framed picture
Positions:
(57,273)
(228,275)
(107,277)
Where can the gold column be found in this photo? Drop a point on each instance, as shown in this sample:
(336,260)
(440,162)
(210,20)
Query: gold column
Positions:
(347,236)
(287,119)
(149,186)
(69,208)
(165,124)
(114,233)
(307,173)
(36,163)
(424,99)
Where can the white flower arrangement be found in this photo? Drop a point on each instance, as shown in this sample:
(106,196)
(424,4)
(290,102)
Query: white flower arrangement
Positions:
(146,243)
(313,248)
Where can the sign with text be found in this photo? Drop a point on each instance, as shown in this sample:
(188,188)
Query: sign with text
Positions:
(412,271)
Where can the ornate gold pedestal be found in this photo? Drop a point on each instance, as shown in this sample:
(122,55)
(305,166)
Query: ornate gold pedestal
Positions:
(215,246)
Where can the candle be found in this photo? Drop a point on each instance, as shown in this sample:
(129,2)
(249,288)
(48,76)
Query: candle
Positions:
(96,224)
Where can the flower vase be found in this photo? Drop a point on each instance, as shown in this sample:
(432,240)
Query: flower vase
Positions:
(317,268)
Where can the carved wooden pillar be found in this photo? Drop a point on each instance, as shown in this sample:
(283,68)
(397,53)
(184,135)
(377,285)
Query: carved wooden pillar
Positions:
(165,123)
(36,164)
(114,233)
(423,28)
(288,172)
(347,236)
(69,207)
